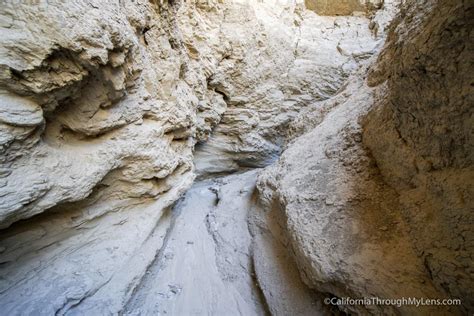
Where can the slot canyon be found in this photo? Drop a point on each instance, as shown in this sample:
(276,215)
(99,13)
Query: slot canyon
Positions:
(236,157)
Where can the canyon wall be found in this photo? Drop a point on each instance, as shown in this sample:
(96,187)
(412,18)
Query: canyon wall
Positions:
(421,136)
(376,195)
(102,106)
(86,107)
(342,7)
(109,110)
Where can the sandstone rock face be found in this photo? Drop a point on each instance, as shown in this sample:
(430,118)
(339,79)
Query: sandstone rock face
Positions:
(292,59)
(342,219)
(421,136)
(377,199)
(109,110)
(106,103)
(127,99)
(342,7)
(102,104)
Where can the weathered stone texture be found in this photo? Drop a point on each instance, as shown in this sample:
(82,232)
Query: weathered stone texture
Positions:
(110,109)
(421,135)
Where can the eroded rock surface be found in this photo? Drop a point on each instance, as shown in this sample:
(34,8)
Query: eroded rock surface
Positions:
(108,104)
(376,195)
(110,109)
(94,102)
(292,59)
(342,219)
(102,104)
(421,136)
(343,7)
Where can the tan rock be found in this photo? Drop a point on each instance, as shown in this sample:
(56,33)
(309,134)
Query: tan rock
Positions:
(421,136)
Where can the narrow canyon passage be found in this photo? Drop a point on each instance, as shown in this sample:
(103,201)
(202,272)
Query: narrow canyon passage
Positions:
(205,266)
(208,265)
(203,263)
(236,157)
